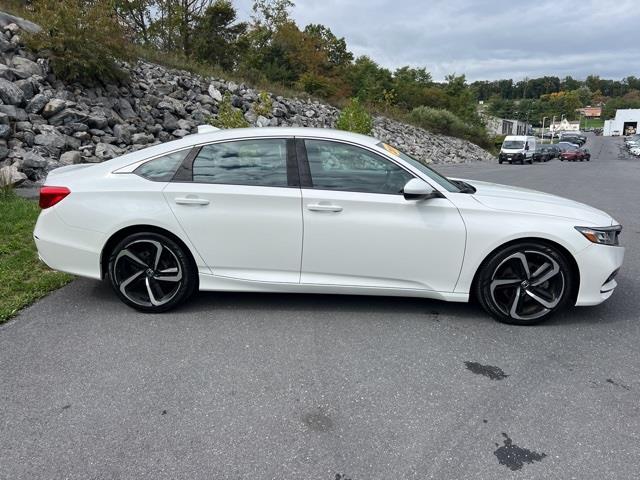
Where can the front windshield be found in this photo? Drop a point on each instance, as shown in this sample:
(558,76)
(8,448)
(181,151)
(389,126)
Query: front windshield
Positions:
(513,144)
(429,172)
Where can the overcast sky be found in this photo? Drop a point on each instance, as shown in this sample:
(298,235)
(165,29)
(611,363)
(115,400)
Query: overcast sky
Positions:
(485,39)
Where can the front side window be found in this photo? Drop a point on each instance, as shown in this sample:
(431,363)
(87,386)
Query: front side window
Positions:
(163,168)
(261,162)
(344,167)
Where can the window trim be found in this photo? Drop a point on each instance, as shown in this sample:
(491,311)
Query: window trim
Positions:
(184,173)
(306,178)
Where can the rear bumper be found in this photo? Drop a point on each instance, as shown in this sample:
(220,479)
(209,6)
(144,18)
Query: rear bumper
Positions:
(67,249)
(598,265)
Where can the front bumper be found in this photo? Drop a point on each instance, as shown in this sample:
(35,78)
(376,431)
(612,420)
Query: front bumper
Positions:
(598,265)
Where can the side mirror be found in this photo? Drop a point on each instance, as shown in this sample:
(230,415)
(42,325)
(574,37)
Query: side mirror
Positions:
(526,147)
(417,189)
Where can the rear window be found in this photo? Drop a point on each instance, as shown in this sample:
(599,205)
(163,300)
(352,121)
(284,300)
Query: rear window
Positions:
(162,169)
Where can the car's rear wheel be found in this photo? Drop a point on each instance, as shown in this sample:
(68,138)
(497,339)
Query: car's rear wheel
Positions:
(525,283)
(151,272)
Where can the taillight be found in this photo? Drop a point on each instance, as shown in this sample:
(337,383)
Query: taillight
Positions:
(49,196)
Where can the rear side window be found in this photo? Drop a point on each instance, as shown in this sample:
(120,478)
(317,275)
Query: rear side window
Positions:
(260,162)
(162,169)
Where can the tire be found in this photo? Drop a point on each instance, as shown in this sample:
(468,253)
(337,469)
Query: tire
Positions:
(151,272)
(508,291)
(500,161)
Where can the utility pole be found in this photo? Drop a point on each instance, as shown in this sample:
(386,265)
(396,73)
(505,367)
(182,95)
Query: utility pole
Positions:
(543,119)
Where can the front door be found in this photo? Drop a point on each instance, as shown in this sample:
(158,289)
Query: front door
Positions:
(360,231)
(241,211)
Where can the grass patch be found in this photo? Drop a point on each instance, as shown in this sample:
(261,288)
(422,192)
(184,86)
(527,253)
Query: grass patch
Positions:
(23,278)
(592,123)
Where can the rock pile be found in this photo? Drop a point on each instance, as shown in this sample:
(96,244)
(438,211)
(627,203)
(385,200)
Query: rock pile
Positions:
(45,123)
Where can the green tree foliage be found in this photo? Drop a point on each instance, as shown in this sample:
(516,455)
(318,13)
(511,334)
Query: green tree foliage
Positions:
(368,81)
(228,115)
(264,105)
(444,122)
(216,35)
(82,39)
(629,100)
(354,118)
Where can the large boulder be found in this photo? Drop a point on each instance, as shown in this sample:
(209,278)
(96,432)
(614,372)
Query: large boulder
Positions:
(10,93)
(71,158)
(53,106)
(6,20)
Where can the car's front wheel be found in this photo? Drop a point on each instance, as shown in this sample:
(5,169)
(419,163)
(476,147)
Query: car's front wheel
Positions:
(151,272)
(525,283)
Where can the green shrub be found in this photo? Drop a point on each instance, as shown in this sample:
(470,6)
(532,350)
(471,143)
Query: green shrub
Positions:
(354,118)
(264,105)
(82,39)
(443,121)
(228,115)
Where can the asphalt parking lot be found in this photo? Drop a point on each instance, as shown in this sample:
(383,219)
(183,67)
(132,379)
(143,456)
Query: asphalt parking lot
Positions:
(257,386)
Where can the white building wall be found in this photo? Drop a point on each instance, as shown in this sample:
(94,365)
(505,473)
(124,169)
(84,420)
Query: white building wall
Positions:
(616,125)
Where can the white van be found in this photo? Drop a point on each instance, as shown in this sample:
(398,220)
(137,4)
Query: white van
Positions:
(517,148)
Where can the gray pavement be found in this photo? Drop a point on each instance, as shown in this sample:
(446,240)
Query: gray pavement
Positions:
(251,386)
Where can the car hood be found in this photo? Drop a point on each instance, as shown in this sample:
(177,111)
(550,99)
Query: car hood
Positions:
(516,199)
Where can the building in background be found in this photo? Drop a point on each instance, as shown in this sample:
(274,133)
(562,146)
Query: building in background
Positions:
(504,126)
(565,125)
(625,122)
(590,112)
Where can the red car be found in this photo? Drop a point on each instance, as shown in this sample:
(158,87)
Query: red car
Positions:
(574,154)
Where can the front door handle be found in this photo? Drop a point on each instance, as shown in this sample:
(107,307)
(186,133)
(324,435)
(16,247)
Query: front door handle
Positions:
(191,201)
(324,207)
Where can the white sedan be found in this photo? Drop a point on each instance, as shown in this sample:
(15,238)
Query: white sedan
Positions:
(319,211)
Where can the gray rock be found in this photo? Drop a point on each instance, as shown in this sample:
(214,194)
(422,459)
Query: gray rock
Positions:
(215,93)
(5,131)
(15,114)
(10,94)
(7,20)
(262,121)
(52,107)
(10,175)
(24,68)
(33,160)
(122,134)
(142,138)
(4,119)
(97,121)
(51,139)
(170,122)
(27,88)
(4,152)
(71,158)
(104,151)
(180,133)
(36,104)
(67,116)
(125,109)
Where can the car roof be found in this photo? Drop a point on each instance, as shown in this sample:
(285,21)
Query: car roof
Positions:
(238,134)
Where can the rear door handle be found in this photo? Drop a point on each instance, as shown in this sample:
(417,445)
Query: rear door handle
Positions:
(323,207)
(191,201)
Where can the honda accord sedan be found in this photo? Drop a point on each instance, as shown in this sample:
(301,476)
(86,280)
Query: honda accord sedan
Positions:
(319,211)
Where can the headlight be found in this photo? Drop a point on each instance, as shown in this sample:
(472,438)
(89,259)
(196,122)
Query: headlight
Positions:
(602,235)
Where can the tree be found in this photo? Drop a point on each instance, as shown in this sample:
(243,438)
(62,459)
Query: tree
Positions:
(271,14)
(410,86)
(216,35)
(174,22)
(368,80)
(333,47)
(354,118)
(137,16)
(82,39)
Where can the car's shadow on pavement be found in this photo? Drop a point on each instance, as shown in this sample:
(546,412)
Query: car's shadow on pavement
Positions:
(392,307)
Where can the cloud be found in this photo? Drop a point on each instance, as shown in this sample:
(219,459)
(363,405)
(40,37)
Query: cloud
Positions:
(485,39)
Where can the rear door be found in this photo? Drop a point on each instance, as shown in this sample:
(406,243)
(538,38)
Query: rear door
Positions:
(360,231)
(239,202)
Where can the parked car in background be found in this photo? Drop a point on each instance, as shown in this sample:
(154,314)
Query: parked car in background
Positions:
(518,149)
(574,153)
(573,137)
(545,153)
